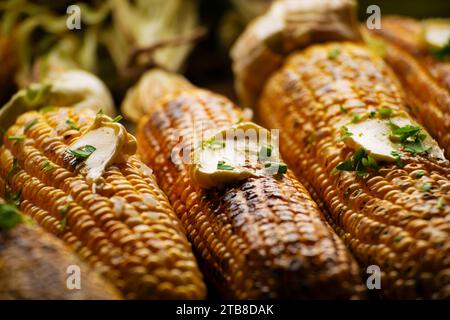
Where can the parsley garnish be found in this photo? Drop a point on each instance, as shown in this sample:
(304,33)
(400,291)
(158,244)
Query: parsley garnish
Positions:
(47,166)
(426,187)
(63,212)
(372,114)
(18,138)
(385,112)
(265,152)
(397,239)
(30,124)
(343,109)
(356,118)
(420,174)
(117,119)
(410,137)
(345,133)
(9,216)
(72,124)
(312,138)
(46,109)
(361,162)
(440,204)
(222,166)
(82,153)
(333,54)
(398,159)
(279,166)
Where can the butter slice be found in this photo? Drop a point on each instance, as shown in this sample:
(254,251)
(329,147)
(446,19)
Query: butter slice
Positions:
(113,145)
(238,146)
(436,32)
(374,136)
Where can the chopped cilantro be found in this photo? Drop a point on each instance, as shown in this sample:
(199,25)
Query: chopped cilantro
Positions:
(420,174)
(280,167)
(82,153)
(265,152)
(356,118)
(385,112)
(47,166)
(18,138)
(440,204)
(426,187)
(361,162)
(345,133)
(398,159)
(72,124)
(410,137)
(222,166)
(334,53)
(117,119)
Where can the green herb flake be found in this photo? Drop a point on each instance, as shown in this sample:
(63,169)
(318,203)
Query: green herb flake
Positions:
(440,204)
(63,212)
(46,109)
(9,216)
(398,159)
(426,187)
(17,138)
(100,112)
(420,174)
(47,166)
(72,124)
(372,114)
(30,124)
(343,109)
(410,137)
(265,152)
(356,118)
(345,133)
(280,167)
(361,163)
(82,153)
(397,239)
(385,112)
(221,165)
(117,119)
(312,138)
(334,53)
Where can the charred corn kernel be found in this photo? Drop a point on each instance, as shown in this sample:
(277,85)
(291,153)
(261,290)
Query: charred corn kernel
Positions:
(263,237)
(123,226)
(384,216)
(26,276)
(423,72)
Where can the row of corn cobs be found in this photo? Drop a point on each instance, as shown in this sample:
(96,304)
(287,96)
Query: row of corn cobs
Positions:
(310,233)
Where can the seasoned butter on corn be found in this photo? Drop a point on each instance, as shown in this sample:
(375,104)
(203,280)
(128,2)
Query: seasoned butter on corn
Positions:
(375,136)
(233,154)
(112,143)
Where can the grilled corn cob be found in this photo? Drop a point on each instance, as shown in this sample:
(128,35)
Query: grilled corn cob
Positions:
(34,264)
(425,79)
(396,217)
(123,227)
(263,237)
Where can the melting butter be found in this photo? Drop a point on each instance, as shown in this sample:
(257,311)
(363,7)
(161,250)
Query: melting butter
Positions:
(113,144)
(374,135)
(436,32)
(233,154)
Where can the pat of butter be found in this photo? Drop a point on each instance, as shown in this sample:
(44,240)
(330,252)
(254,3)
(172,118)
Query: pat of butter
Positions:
(374,136)
(233,154)
(436,32)
(113,144)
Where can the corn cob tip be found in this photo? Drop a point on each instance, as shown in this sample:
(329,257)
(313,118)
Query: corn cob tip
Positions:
(287,26)
(157,83)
